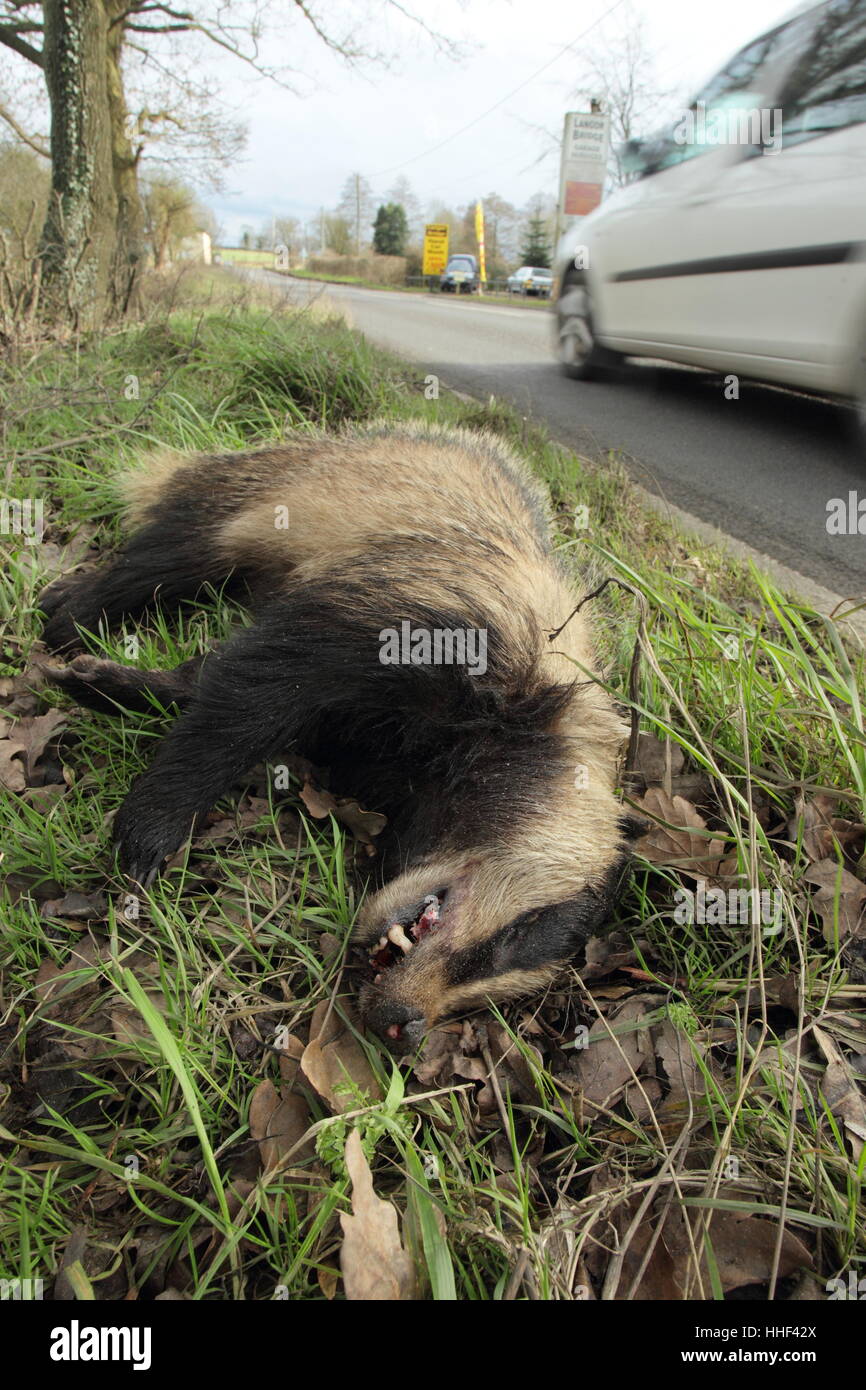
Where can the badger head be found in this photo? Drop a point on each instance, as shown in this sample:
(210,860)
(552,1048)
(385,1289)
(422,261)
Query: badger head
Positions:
(510,858)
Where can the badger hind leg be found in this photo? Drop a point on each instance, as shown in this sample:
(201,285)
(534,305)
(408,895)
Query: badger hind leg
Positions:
(111,688)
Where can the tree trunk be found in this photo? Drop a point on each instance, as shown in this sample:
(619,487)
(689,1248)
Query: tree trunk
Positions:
(92,239)
(78,239)
(129,247)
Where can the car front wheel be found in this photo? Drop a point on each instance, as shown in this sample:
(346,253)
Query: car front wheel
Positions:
(580,356)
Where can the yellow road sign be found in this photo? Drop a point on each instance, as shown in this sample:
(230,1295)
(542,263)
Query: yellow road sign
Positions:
(435,248)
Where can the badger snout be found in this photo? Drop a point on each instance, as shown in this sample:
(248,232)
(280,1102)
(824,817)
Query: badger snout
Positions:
(400,1026)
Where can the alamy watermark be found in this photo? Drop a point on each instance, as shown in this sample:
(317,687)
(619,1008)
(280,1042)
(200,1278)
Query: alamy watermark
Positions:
(754,125)
(436,646)
(723,907)
(22,1290)
(846,516)
(23,516)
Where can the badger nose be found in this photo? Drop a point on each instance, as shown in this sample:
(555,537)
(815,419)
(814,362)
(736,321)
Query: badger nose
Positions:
(400,1026)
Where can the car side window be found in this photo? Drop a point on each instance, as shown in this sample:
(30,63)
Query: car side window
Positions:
(736,87)
(826,88)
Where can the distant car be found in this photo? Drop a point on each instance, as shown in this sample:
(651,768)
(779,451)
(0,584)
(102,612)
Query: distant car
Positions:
(531,279)
(748,256)
(460,275)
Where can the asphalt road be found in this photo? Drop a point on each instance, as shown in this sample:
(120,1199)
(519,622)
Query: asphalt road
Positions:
(762,469)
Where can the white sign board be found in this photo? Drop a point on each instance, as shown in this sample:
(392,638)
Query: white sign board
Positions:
(583,165)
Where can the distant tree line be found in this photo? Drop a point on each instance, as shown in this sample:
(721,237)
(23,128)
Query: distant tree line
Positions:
(393,225)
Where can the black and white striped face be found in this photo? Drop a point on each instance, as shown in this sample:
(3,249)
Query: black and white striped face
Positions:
(444,939)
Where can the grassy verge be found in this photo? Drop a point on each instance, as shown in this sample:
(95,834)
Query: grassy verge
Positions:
(159,1129)
(243,255)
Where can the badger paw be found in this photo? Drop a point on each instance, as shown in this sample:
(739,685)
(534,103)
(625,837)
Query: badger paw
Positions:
(145,838)
(101,684)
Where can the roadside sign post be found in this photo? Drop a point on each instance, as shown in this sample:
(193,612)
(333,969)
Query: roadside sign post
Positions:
(583,165)
(435,249)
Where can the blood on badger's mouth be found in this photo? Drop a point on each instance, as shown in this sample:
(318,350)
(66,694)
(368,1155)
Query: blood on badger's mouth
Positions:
(405,931)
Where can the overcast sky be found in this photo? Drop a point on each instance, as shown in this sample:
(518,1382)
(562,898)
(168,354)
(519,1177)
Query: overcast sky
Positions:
(386,121)
(516,78)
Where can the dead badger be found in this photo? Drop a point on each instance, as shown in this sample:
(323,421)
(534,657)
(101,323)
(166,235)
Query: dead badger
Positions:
(404,591)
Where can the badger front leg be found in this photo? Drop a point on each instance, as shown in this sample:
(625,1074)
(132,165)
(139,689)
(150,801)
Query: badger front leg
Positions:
(252,698)
(169,560)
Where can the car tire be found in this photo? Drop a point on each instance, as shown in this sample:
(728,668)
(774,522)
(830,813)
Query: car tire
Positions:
(580,357)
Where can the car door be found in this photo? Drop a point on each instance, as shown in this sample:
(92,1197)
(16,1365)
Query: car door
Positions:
(664,225)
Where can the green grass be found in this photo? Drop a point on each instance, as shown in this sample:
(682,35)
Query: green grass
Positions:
(244,255)
(177,1012)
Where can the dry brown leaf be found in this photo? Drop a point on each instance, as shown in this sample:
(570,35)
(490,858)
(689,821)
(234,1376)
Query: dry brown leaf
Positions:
(375,1266)
(43,798)
(128,1025)
(291,1051)
(607,1064)
(675,1052)
(743,1250)
(79,907)
(837,887)
(603,960)
(36,733)
(514,1073)
(19,695)
(450,1054)
(54,983)
(11,766)
(843,1095)
(328,1280)
(278,1121)
(329,945)
(681,843)
(318,802)
(643,1097)
(364,825)
(334,1062)
(225,828)
(656,760)
(822,831)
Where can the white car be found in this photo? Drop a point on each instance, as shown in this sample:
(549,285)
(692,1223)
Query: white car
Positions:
(741,244)
(530,279)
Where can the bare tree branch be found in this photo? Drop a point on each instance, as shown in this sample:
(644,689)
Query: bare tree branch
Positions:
(9,37)
(34,143)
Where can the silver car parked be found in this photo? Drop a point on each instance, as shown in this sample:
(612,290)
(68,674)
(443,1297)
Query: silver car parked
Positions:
(531,279)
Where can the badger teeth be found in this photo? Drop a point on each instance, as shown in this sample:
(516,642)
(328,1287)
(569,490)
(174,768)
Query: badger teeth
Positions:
(398,937)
